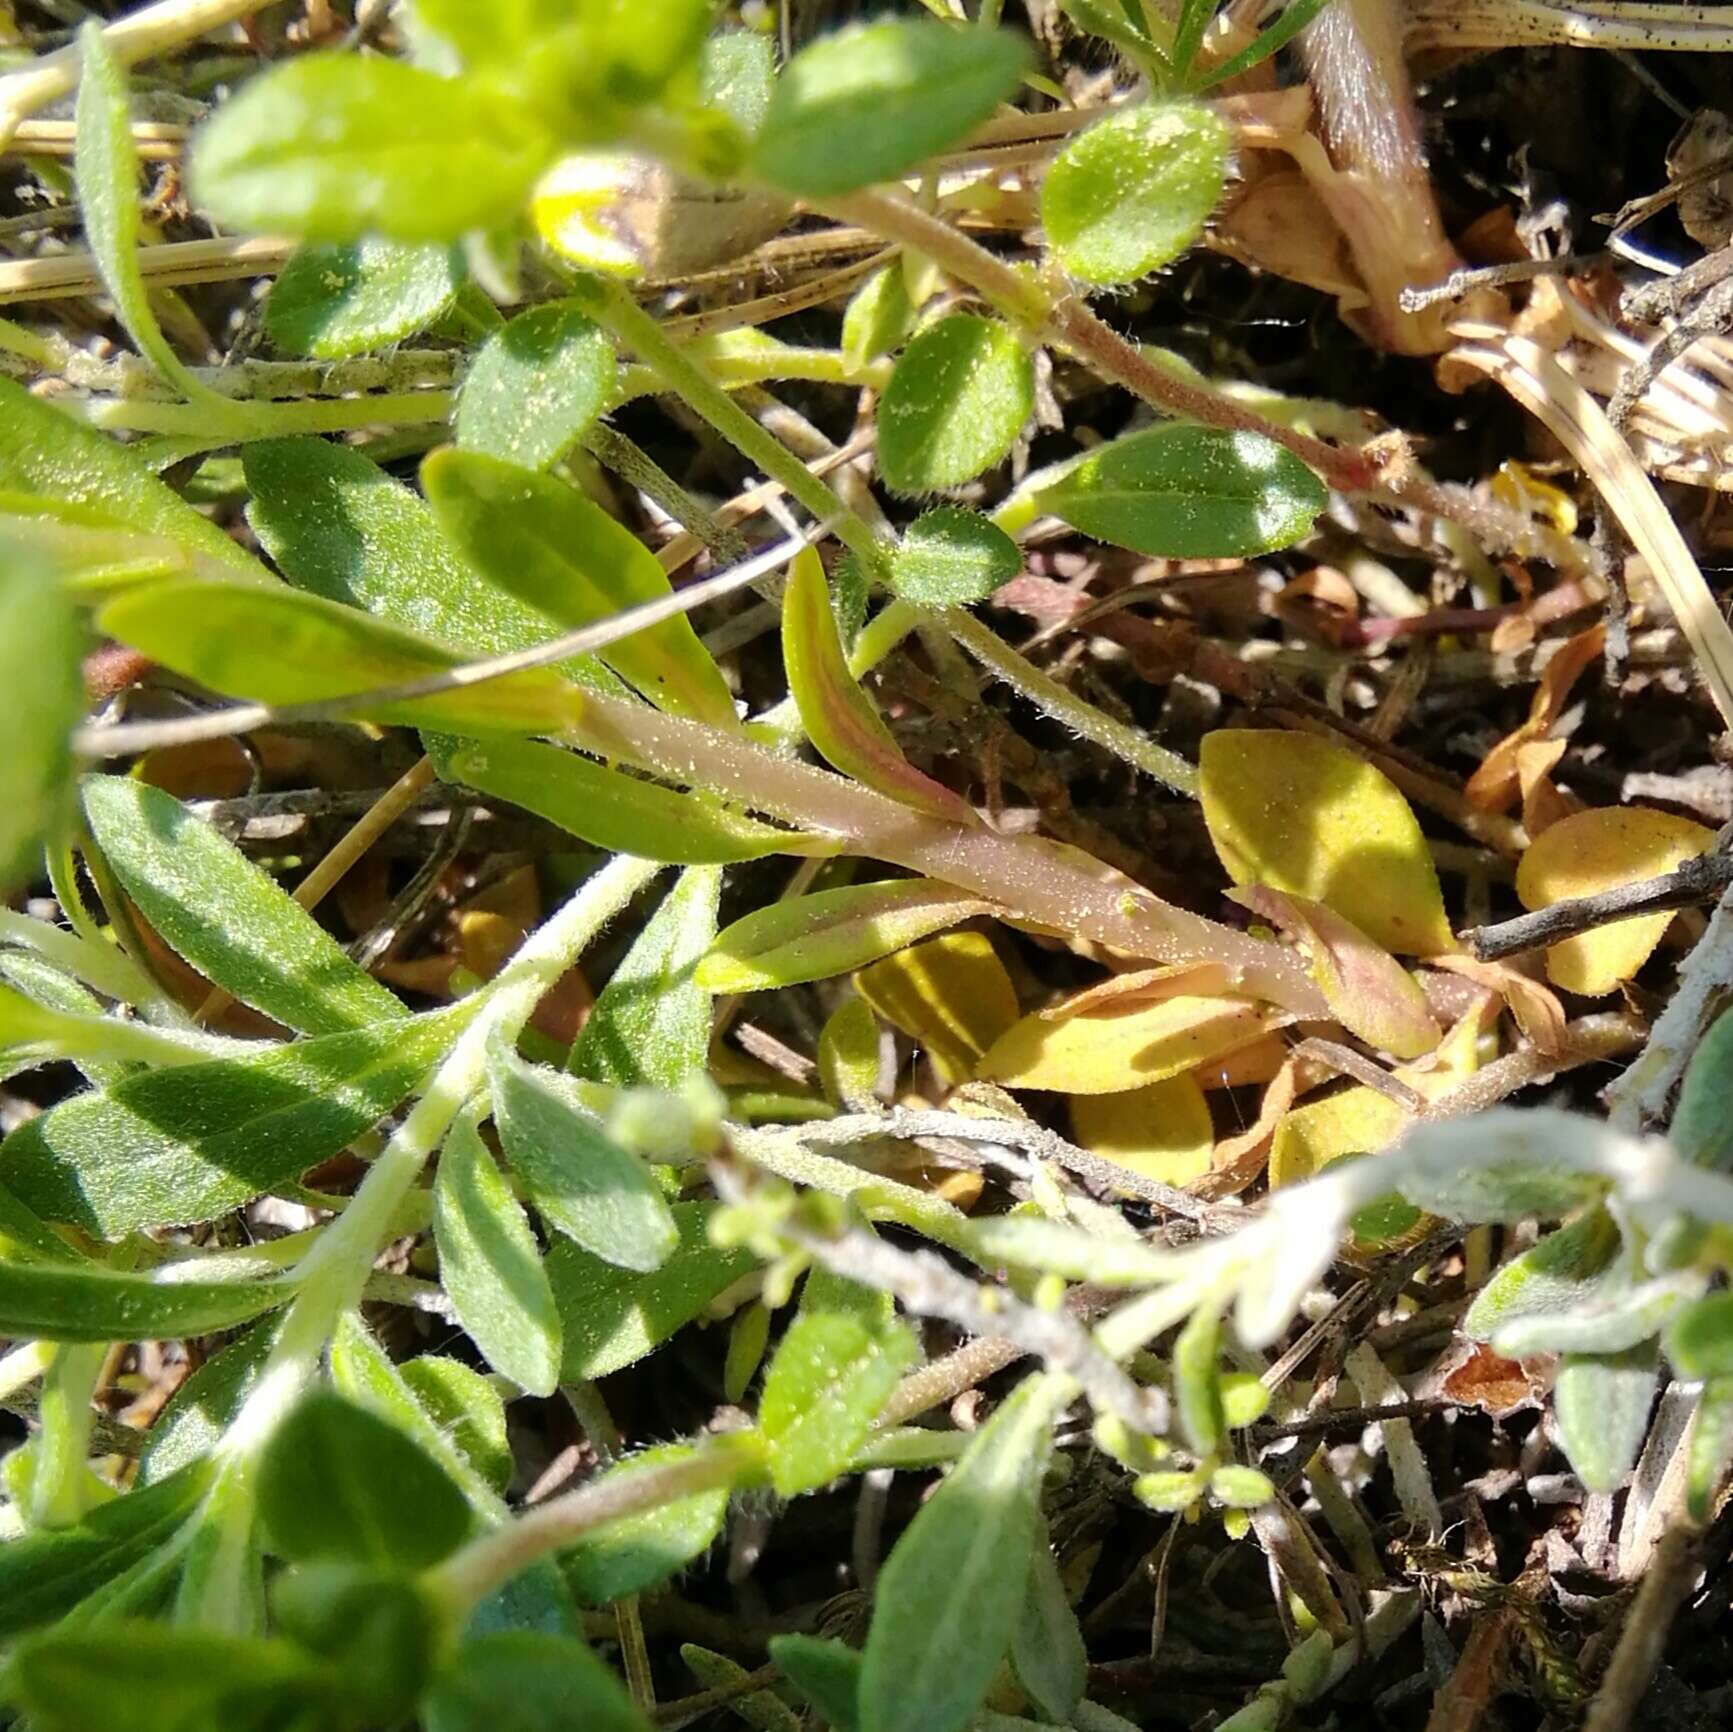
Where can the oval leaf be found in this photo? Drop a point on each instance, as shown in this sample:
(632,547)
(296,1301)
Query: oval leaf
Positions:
(951,996)
(955,403)
(1702,1128)
(1597,850)
(1304,815)
(1133,192)
(536,386)
(1162,1130)
(950,557)
(330,302)
(543,1682)
(1184,492)
(1602,1406)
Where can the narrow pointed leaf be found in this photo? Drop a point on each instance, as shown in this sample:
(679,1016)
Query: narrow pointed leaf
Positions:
(536,386)
(52,1303)
(1047,1649)
(232,922)
(1602,1405)
(334,301)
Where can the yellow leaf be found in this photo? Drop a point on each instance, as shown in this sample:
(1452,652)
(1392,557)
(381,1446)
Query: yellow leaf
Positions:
(1162,1130)
(1107,1054)
(1599,850)
(951,994)
(1305,815)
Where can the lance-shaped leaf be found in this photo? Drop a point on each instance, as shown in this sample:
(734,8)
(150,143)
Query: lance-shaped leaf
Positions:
(651,1024)
(951,995)
(952,1591)
(957,399)
(1047,1651)
(1107,1053)
(1304,815)
(231,921)
(52,1302)
(826,1672)
(536,386)
(613,1316)
(330,147)
(330,302)
(491,1267)
(1184,492)
(1602,1403)
(107,166)
(578,1178)
(338,525)
(613,810)
(643,1551)
(1369,992)
(870,103)
(1133,192)
(184,1145)
(838,716)
(278,646)
(468,1409)
(46,452)
(202,1408)
(545,543)
(832,931)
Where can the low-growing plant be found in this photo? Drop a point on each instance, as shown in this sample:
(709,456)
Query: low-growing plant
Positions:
(320,1530)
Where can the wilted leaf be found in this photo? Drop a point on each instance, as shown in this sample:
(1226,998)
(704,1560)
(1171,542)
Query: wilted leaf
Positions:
(956,401)
(1108,1053)
(536,386)
(832,931)
(334,301)
(949,557)
(950,995)
(1302,814)
(1184,492)
(1599,850)
(1133,192)
(1162,1130)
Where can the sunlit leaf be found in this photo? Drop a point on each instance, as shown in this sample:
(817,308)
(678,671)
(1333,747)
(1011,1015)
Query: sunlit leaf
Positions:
(333,301)
(1700,1338)
(832,931)
(950,995)
(956,401)
(838,716)
(869,103)
(1183,492)
(949,557)
(879,316)
(1598,850)
(536,386)
(1108,1053)
(61,1303)
(1134,191)
(1305,815)
(1197,1386)
(1162,1130)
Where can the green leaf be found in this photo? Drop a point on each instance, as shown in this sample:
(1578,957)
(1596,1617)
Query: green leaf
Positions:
(47,1572)
(337,1480)
(832,931)
(468,1412)
(200,1410)
(338,526)
(879,316)
(53,1303)
(1118,23)
(231,921)
(1197,1385)
(870,103)
(107,168)
(1700,1338)
(41,641)
(527,1681)
(491,1266)
(1270,40)
(545,543)
(1702,1128)
(1183,492)
(1133,192)
(579,1180)
(160,1678)
(46,452)
(1710,1449)
(651,1024)
(613,810)
(833,1370)
(613,1317)
(1602,1404)
(950,1595)
(826,1672)
(278,646)
(1047,1651)
(329,147)
(837,714)
(642,1551)
(536,386)
(185,1145)
(949,557)
(956,401)
(498,32)
(333,301)
(737,74)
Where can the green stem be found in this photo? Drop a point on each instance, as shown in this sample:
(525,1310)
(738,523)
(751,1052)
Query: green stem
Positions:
(275,420)
(60,1482)
(612,306)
